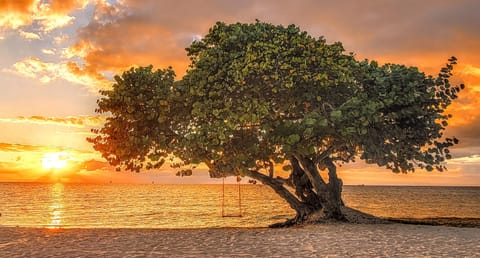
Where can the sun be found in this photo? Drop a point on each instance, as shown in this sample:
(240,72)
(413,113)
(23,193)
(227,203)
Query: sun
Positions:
(55,160)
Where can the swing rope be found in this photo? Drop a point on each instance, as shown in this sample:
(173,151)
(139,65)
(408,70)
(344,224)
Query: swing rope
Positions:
(239,201)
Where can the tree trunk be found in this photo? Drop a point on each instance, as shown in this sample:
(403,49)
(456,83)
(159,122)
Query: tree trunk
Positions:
(312,173)
(329,194)
(333,204)
(303,186)
(312,193)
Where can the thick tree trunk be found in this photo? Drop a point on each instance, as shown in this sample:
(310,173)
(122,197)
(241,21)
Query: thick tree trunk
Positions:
(312,173)
(303,186)
(329,194)
(333,204)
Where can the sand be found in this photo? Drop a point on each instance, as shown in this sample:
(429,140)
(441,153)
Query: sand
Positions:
(333,240)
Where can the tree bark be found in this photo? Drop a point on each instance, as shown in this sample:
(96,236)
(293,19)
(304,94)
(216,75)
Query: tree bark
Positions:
(303,186)
(333,204)
(312,173)
(329,195)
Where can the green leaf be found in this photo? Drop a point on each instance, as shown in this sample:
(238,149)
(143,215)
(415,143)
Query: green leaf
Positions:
(292,139)
(323,123)
(310,121)
(308,132)
(336,115)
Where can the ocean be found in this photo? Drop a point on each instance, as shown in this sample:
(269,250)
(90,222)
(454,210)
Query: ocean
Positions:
(200,206)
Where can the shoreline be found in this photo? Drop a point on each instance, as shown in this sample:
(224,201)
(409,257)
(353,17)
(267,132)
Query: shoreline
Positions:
(434,221)
(327,239)
(354,217)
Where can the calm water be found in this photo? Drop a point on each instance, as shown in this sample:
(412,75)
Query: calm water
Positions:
(187,206)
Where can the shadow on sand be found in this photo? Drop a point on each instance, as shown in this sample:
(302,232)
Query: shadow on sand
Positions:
(357,217)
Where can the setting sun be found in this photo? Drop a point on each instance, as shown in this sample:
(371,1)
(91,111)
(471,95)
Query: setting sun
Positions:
(54,160)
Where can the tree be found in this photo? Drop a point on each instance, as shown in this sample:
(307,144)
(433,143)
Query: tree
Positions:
(257,95)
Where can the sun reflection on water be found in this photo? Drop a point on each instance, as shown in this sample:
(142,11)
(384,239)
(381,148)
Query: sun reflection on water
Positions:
(56,206)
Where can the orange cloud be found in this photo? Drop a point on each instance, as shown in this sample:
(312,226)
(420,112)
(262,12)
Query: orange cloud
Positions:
(14,14)
(81,121)
(86,76)
(465,110)
(93,165)
(46,72)
(105,47)
(48,14)
(9,147)
(53,21)
(154,39)
(80,49)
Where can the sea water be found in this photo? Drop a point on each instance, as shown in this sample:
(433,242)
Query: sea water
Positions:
(200,206)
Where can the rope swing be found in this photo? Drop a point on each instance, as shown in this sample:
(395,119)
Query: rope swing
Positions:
(239,200)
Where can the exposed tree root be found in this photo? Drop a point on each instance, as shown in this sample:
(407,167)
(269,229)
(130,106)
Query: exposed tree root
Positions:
(350,216)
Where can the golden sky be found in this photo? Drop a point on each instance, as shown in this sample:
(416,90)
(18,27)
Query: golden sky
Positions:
(55,55)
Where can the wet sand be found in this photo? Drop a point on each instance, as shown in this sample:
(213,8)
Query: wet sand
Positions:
(335,239)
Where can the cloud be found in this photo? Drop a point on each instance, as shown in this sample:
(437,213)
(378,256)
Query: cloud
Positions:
(46,72)
(473,159)
(9,147)
(48,51)
(94,165)
(60,39)
(25,148)
(419,33)
(79,121)
(28,35)
(465,109)
(130,34)
(48,14)
(80,49)
(14,14)
(12,147)
(472,70)
(105,47)
(159,37)
(376,28)
(465,123)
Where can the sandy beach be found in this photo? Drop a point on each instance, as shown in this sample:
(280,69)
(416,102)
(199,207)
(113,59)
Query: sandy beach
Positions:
(332,240)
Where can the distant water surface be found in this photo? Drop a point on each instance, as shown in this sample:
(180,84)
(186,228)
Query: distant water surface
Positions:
(199,206)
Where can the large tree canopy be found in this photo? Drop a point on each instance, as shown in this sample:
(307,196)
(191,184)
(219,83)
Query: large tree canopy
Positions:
(256,95)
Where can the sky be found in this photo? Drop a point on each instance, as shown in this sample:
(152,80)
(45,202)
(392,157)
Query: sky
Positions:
(56,55)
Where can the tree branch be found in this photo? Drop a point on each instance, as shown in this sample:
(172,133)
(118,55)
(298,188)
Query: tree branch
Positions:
(277,186)
(287,181)
(323,155)
(270,168)
(312,173)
